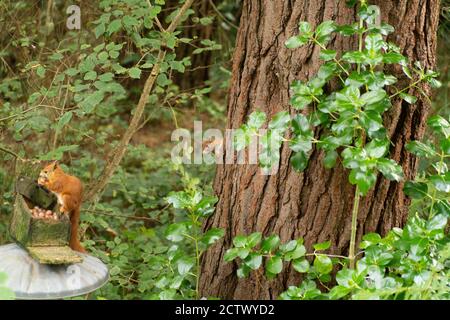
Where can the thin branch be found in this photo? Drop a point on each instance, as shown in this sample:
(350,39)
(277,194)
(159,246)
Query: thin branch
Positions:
(119,152)
(10,152)
(106,213)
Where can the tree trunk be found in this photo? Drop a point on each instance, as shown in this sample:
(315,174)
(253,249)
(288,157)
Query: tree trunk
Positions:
(315,204)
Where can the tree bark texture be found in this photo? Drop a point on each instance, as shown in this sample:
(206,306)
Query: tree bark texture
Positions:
(317,203)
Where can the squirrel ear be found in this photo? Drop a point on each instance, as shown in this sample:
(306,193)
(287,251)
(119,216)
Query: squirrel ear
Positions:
(55,164)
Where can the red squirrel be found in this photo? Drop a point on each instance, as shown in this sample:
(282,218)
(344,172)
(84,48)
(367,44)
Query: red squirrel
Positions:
(68,189)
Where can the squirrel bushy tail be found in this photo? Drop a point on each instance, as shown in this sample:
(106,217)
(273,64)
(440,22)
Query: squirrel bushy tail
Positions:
(74,237)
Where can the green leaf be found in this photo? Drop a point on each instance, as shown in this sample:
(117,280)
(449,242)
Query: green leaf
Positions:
(295,42)
(327,55)
(254,239)
(374,96)
(408,98)
(99,30)
(91,75)
(304,27)
(280,120)
(439,124)
(231,254)
(185,264)
(323,31)
(300,144)
(299,161)
(175,231)
(445,146)
(441,182)
(298,252)
(65,119)
(240,241)
(377,148)
(416,190)
(300,265)
(114,26)
(256,120)
(322,246)
(212,235)
(323,264)
(253,261)
(374,42)
(354,57)
(58,153)
(40,71)
(420,149)
(393,57)
(390,169)
(134,73)
(270,244)
(364,180)
(71,72)
(329,161)
(274,265)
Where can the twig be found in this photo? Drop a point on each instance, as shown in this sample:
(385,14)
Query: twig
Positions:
(10,152)
(105,213)
(119,152)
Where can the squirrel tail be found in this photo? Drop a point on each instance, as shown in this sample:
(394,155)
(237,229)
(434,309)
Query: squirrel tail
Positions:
(74,237)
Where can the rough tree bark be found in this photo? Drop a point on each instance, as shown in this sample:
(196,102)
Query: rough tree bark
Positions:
(316,204)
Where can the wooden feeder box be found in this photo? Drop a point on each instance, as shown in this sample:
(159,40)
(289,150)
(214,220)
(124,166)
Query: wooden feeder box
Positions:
(46,240)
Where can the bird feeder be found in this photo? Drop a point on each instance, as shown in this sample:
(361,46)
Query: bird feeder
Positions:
(41,265)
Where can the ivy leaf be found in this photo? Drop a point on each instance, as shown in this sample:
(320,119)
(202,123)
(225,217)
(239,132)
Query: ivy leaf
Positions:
(299,161)
(364,179)
(408,98)
(354,57)
(300,265)
(420,149)
(323,264)
(256,120)
(280,120)
(65,119)
(90,75)
(271,243)
(114,26)
(373,96)
(231,254)
(329,161)
(185,264)
(441,182)
(254,239)
(58,153)
(377,148)
(298,252)
(415,190)
(40,71)
(212,235)
(445,145)
(134,73)
(390,169)
(327,55)
(274,265)
(253,261)
(295,42)
(439,124)
(393,57)
(175,231)
(240,241)
(323,31)
(322,246)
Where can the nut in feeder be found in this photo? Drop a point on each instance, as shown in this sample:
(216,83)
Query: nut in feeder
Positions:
(42,265)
